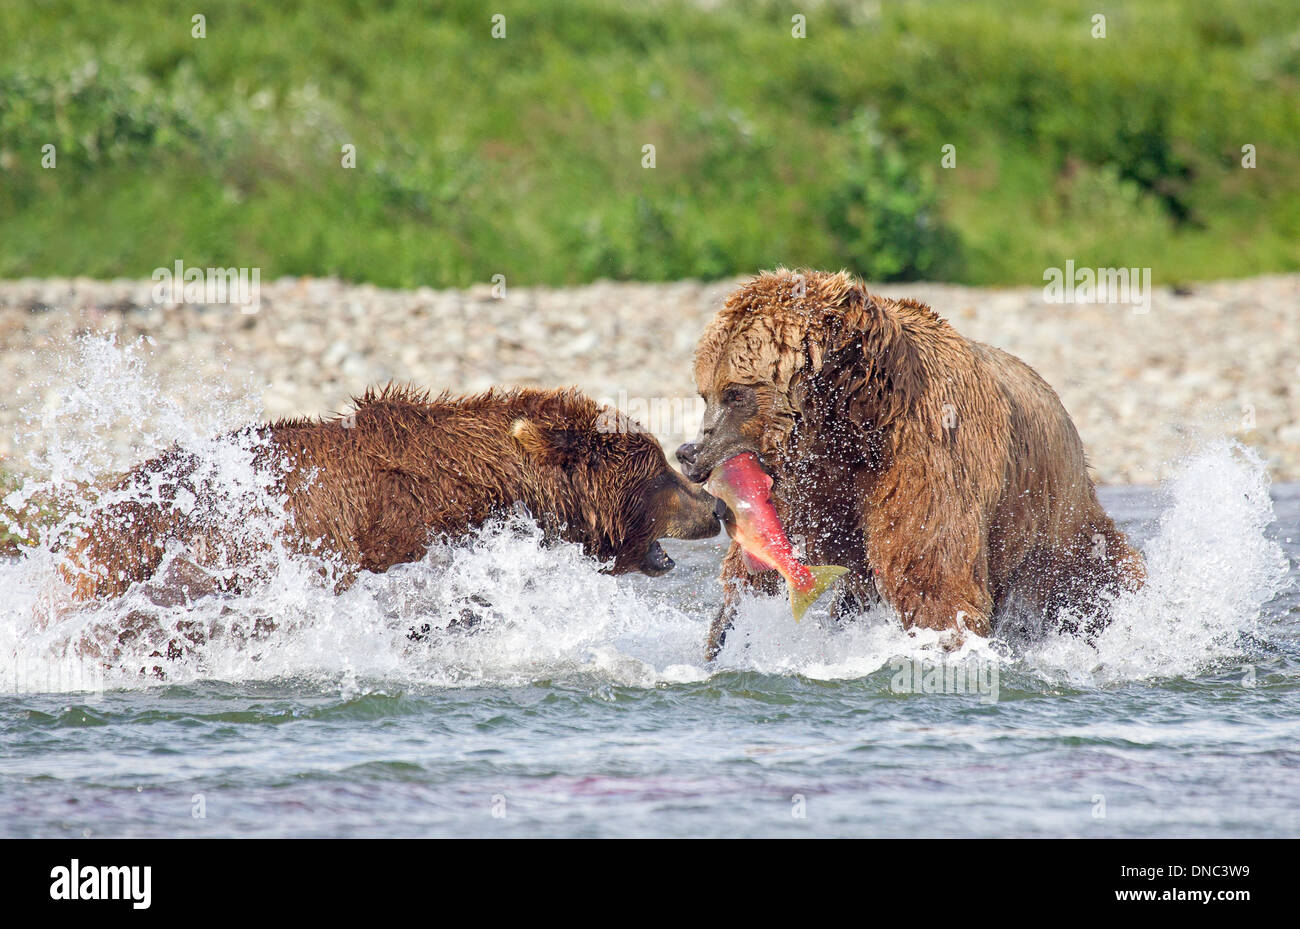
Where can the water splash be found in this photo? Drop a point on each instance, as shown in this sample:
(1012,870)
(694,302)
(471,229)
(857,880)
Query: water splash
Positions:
(502,608)
(1210,569)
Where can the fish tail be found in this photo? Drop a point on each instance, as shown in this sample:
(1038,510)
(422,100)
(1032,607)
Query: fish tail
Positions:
(824,576)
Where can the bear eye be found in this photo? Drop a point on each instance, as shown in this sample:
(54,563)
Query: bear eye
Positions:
(732,395)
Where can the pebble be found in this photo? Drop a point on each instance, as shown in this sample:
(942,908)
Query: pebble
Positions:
(1143,388)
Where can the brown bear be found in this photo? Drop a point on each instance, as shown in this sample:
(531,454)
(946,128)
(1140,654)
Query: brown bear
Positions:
(945,474)
(372,488)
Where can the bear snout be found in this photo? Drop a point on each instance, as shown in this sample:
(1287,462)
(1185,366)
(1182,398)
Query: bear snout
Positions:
(695,470)
(686,455)
(681,511)
(686,512)
(698,459)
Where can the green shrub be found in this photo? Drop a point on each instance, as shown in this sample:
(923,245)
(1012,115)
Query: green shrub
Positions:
(523,155)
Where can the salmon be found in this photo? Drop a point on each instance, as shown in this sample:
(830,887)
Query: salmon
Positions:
(741,483)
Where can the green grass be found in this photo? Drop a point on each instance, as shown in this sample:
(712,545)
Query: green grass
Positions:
(522,156)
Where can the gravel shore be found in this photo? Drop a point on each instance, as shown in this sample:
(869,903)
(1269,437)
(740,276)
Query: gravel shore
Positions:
(1143,387)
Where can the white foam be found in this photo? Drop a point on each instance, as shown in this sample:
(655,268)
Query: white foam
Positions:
(547,613)
(1210,569)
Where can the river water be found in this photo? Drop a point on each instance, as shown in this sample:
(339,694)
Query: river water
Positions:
(579,705)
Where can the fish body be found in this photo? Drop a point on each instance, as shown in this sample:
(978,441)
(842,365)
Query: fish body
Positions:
(741,483)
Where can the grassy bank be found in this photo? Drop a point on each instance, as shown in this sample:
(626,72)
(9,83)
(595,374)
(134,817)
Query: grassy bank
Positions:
(523,155)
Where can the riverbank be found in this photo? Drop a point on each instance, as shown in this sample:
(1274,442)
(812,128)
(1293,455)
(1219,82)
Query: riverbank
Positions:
(1220,358)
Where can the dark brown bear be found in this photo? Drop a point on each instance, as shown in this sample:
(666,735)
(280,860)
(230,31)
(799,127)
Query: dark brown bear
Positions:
(945,474)
(374,487)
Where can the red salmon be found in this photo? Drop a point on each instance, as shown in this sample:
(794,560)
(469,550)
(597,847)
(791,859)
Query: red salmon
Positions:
(743,485)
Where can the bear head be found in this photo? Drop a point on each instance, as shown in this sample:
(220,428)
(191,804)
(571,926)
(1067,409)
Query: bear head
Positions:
(604,482)
(807,349)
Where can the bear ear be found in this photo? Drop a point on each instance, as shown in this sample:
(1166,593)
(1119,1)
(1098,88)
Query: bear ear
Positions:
(545,445)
